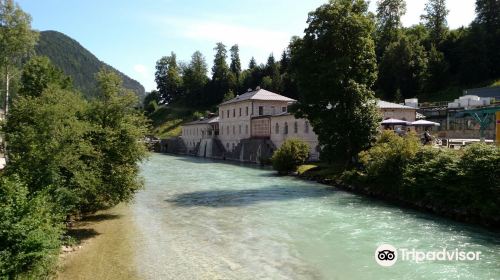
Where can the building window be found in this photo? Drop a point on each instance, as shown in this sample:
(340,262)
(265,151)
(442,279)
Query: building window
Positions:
(261,110)
(246,129)
(247,110)
(233,147)
(273,110)
(285,131)
(306,127)
(227,130)
(283,109)
(277,129)
(234,112)
(295,128)
(228,114)
(240,111)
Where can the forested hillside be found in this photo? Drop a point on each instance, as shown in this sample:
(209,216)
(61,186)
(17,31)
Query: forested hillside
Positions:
(78,63)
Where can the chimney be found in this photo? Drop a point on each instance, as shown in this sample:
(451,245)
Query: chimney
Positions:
(249,90)
(257,88)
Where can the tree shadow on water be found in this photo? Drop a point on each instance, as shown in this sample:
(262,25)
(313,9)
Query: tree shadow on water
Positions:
(245,197)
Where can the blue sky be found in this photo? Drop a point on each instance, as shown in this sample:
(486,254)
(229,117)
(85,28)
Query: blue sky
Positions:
(132,35)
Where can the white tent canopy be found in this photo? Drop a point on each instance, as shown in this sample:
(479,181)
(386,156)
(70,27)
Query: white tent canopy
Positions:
(395,122)
(425,123)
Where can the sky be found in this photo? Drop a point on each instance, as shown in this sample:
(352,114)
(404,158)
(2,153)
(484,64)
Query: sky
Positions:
(132,35)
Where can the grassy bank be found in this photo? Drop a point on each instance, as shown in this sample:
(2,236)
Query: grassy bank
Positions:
(462,185)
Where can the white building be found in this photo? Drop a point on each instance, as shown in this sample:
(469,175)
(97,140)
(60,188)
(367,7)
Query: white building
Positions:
(257,116)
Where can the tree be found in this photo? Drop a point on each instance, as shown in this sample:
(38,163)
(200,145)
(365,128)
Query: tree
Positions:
(252,64)
(437,71)
(228,96)
(291,154)
(235,66)
(434,20)
(38,73)
(388,27)
(403,67)
(488,13)
(335,68)
(195,79)
(17,40)
(220,73)
(118,129)
(168,79)
(272,71)
(151,101)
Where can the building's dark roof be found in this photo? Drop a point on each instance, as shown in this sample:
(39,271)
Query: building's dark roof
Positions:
(484,92)
(259,94)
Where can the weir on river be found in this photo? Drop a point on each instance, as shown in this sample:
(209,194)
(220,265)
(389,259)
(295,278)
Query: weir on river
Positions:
(203,219)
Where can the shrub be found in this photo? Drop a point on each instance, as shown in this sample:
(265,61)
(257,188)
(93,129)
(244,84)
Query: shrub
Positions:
(385,162)
(30,231)
(290,155)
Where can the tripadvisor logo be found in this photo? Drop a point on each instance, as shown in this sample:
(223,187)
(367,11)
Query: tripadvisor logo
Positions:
(387,255)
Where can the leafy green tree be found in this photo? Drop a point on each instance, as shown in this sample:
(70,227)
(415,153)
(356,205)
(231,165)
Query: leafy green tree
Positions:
(228,96)
(220,73)
(195,80)
(434,20)
(488,13)
(486,29)
(17,40)
(38,73)
(118,129)
(30,232)
(151,102)
(272,70)
(252,64)
(403,67)
(291,154)
(437,71)
(388,27)
(335,82)
(235,65)
(168,79)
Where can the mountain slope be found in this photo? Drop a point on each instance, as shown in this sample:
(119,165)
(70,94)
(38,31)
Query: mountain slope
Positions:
(78,63)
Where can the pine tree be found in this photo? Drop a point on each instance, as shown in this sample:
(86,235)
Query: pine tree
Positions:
(388,27)
(434,20)
(220,74)
(168,79)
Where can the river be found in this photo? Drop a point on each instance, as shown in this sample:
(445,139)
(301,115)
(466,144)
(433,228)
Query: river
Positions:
(204,219)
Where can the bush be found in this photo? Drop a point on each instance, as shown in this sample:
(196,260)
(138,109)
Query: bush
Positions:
(290,155)
(385,162)
(30,231)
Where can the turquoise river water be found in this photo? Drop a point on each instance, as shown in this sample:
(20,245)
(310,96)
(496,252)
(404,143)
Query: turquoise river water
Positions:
(203,219)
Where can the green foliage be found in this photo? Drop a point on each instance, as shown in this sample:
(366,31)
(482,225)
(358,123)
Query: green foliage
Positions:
(30,231)
(388,158)
(466,181)
(228,96)
(404,67)
(117,129)
(195,80)
(290,156)
(38,73)
(78,63)
(434,20)
(335,83)
(168,79)
(388,25)
(46,137)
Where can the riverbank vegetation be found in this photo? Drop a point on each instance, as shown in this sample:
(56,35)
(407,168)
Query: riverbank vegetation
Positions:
(291,154)
(460,184)
(66,155)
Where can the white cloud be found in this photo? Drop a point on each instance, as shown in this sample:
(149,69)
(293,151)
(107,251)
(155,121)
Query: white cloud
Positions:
(141,69)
